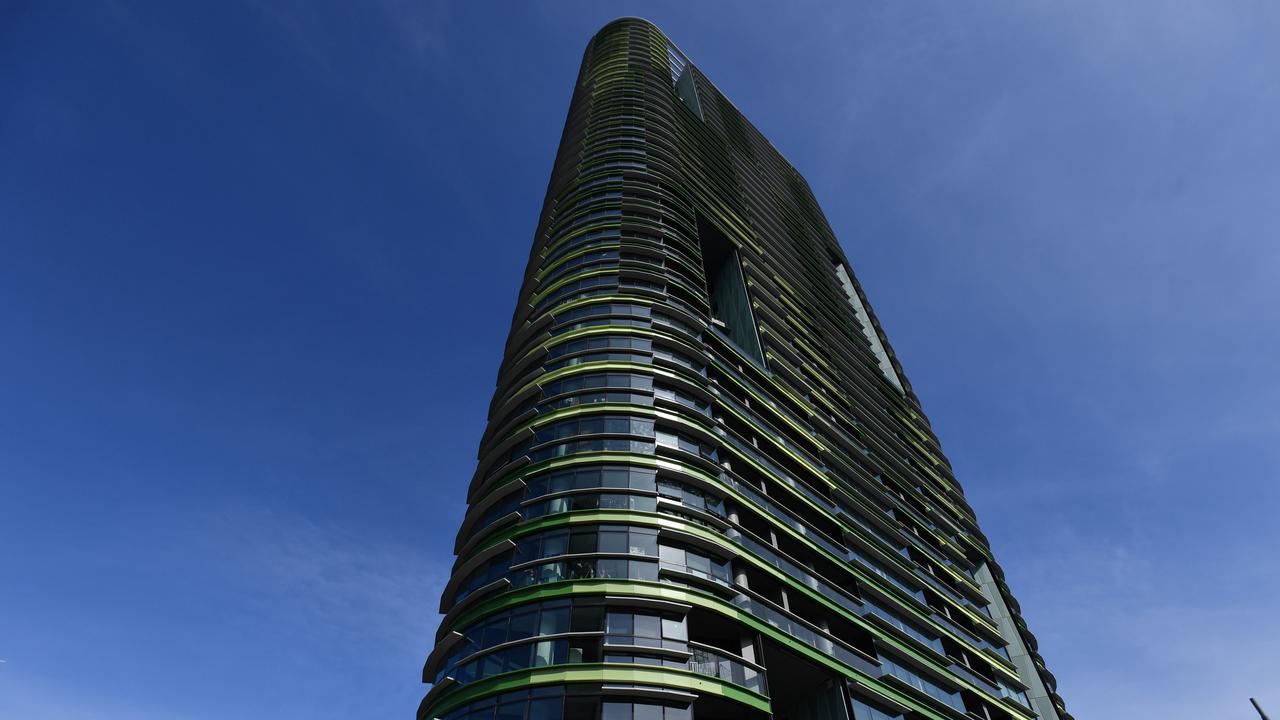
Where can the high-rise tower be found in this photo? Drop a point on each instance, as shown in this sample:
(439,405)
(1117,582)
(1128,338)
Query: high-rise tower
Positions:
(706,489)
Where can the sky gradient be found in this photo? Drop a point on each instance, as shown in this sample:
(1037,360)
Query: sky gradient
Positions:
(258,261)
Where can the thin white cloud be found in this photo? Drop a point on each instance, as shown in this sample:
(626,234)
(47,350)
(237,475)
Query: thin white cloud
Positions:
(333,577)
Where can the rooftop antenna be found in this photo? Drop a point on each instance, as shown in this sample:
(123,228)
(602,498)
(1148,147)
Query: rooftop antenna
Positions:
(1258,707)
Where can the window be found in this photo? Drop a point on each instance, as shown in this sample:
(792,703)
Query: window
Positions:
(863,711)
(888,666)
(694,563)
(682,80)
(590,501)
(545,709)
(573,447)
(624,710)
(617,539)
(598,476)
(868,330)
(683,398)
(727,290)
(691,497)
(686,444)
(674,629)
(604,236)
(680,359)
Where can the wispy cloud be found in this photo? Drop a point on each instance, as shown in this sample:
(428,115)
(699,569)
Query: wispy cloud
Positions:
(268,602)
(319,33)
(331,576)
(34,699)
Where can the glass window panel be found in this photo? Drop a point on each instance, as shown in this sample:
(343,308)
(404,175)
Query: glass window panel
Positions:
(527,548)
(495,632)
(586,619)
(643,481)
(671,555)
(517,657)
(620,624)
(698,563)
(615,502)
(543,653)
(648,626)
(536,487)
(641,570)
(715,506)
(545,709)
(733,671)
(643,541)
(647,712)
(613,568)
(582,569)
(692,498)
(613,541)
(490,665)
(582,542)
(616,711)
(678,713)
(510,711)
(863,711)
(553,621)
(554,543)
(551,572)
(674,629)
(585,479)
(577,708)
(614,477)
(523,578)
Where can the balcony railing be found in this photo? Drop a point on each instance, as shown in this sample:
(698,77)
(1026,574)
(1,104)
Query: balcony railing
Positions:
(709,661)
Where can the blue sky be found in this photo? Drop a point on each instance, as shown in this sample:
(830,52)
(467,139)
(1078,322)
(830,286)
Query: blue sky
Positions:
(258,260)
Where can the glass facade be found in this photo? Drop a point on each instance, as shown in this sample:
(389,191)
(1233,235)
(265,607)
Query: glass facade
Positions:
(707,490)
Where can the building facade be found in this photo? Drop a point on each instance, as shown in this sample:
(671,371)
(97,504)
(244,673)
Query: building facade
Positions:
(706,489)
